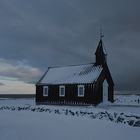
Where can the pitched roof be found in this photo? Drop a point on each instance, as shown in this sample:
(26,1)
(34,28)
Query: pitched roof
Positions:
(87,73)
(101,48)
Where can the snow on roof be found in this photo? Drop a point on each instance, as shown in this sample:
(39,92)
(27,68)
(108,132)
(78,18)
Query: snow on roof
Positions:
(72,74)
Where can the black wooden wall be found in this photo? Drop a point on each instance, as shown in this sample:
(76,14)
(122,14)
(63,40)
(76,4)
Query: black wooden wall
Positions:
(71,95)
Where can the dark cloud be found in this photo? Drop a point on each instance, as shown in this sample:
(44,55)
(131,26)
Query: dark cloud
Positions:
(52,32)
(2,84)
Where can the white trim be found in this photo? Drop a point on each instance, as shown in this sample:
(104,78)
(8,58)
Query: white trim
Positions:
(45,90)
(83,90)
(60,91)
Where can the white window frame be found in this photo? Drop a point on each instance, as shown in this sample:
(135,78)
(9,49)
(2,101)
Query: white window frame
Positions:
(83,87)
(45,88)
(60,94)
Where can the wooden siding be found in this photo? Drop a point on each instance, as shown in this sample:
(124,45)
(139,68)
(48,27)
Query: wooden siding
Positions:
(99,86)
(71,95)
(111,93)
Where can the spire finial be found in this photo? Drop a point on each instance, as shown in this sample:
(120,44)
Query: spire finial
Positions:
(101,33)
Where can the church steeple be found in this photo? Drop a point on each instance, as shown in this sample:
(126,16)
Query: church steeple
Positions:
(101,55)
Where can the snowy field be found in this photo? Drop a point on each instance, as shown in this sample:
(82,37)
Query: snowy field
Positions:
(21,119)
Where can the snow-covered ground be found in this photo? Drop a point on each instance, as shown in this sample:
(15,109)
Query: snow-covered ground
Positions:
(22,119)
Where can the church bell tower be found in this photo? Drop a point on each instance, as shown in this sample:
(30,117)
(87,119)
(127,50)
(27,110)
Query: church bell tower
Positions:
(101,55)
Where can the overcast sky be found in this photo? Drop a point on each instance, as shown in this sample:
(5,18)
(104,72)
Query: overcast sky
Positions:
(35,34)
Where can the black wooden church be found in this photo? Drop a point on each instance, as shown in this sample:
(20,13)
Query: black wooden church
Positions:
(77,84)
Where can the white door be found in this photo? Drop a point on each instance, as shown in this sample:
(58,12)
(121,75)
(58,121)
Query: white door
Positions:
(105,91)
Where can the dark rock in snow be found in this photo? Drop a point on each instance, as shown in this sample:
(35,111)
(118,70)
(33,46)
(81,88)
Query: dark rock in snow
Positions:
(137,123)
